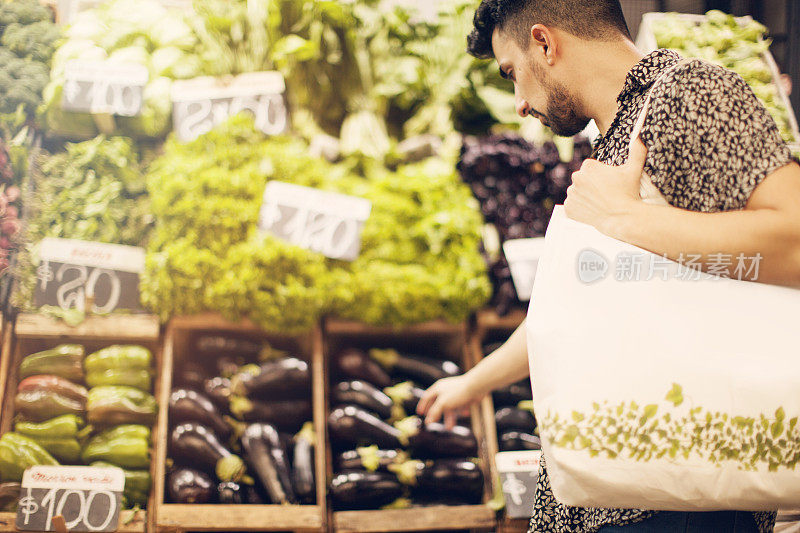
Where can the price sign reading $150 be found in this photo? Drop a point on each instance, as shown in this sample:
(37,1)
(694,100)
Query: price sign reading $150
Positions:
(88,498)
(320,221)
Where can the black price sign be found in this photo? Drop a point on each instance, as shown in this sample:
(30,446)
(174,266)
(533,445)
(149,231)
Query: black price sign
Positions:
(104,87)
(320,221)
(87,498)
(200,104)
(71,272)
(519,473)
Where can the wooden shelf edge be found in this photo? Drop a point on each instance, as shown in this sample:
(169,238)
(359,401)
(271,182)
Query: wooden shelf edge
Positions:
(135,522)
(489,320)
(213,517)
(213,320)
(122,327)
(350,327)
(438,517)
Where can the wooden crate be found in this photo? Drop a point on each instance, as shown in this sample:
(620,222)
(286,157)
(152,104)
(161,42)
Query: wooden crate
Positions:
(168,517)
(33,333)
(489,327)
(434,337)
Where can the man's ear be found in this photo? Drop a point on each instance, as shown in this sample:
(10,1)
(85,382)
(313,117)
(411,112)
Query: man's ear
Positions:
(543,42)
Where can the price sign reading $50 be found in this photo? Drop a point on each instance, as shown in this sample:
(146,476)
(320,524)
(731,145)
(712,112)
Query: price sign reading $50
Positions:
(88,498)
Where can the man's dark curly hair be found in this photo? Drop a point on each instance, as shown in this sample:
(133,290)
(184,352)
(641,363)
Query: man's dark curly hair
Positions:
(600,20)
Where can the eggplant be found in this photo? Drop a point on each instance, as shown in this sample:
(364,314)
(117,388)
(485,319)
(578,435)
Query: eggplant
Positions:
(364,490)
(186,405)
(406,395)
(350,425)
(285,414)
(256,495)
(187,485)
(518,441)
(353,363)
(303,464)
(431,441)
(513,394)
(263,450)
(364,395)
(218,390)
(197,445)
(228,365)
(191,375)
(229,492)
(514,419)
(491,347)
(279,379)
(451,479)
(370,458)
(425,370)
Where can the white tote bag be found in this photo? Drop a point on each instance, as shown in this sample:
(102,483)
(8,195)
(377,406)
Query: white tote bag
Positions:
(659,387)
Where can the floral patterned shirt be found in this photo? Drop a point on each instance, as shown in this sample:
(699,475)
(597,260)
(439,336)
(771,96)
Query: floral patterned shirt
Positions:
(710,143)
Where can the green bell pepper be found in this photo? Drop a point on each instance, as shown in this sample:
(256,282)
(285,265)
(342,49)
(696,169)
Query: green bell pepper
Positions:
(65,360)
(126,446)
(113,405)
(137,485)
(118,356)
(135,377)
(40,405)
(65,450)
(60,427)
(18,452)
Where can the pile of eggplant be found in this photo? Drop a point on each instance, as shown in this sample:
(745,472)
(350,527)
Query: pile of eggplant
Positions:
(516,424)
(76,409)
(384,455)
(240,430)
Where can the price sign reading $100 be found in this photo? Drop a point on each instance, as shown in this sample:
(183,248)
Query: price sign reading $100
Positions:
(320,221)
(72,272)
(87,498)
(104,87)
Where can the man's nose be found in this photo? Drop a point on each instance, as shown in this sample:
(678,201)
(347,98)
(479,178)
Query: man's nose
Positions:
(523,109)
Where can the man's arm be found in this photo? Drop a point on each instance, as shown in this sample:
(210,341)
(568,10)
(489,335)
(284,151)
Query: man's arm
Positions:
(769,225)
(607,198)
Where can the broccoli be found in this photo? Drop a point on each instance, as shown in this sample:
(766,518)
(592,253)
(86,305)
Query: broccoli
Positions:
(35,41)
(22,82)
(23,12)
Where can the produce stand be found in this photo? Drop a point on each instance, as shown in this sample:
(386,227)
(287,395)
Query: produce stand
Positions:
(180,334)
(33,333)
(493,328)
(431,338)
(646,42)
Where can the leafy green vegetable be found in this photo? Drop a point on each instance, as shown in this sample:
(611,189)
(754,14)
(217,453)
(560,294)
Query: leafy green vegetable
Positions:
(419,258)
(93,191)
(129,31)
(732,43)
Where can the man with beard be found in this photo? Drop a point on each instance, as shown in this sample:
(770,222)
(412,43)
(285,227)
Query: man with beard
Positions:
(723,183)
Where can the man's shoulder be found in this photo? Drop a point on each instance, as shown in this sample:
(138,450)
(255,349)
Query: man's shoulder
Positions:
(695,78)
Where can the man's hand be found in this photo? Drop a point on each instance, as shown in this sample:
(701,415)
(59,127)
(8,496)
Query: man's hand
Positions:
(601,192)
(448,398)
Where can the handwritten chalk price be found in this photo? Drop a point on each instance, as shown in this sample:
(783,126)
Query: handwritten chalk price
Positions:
(87,498)
(320,221)
(104,87)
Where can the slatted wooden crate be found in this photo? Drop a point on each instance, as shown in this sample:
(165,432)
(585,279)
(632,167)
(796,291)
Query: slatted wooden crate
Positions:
(180,518)
(33,333)
(446,340)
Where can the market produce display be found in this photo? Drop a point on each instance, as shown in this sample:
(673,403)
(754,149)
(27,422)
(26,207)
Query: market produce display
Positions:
(384,455)
(734,43)
(243,437)
(92,191)
(27,40)
(517,185)
(58,421)
(421,239)
(124,31)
